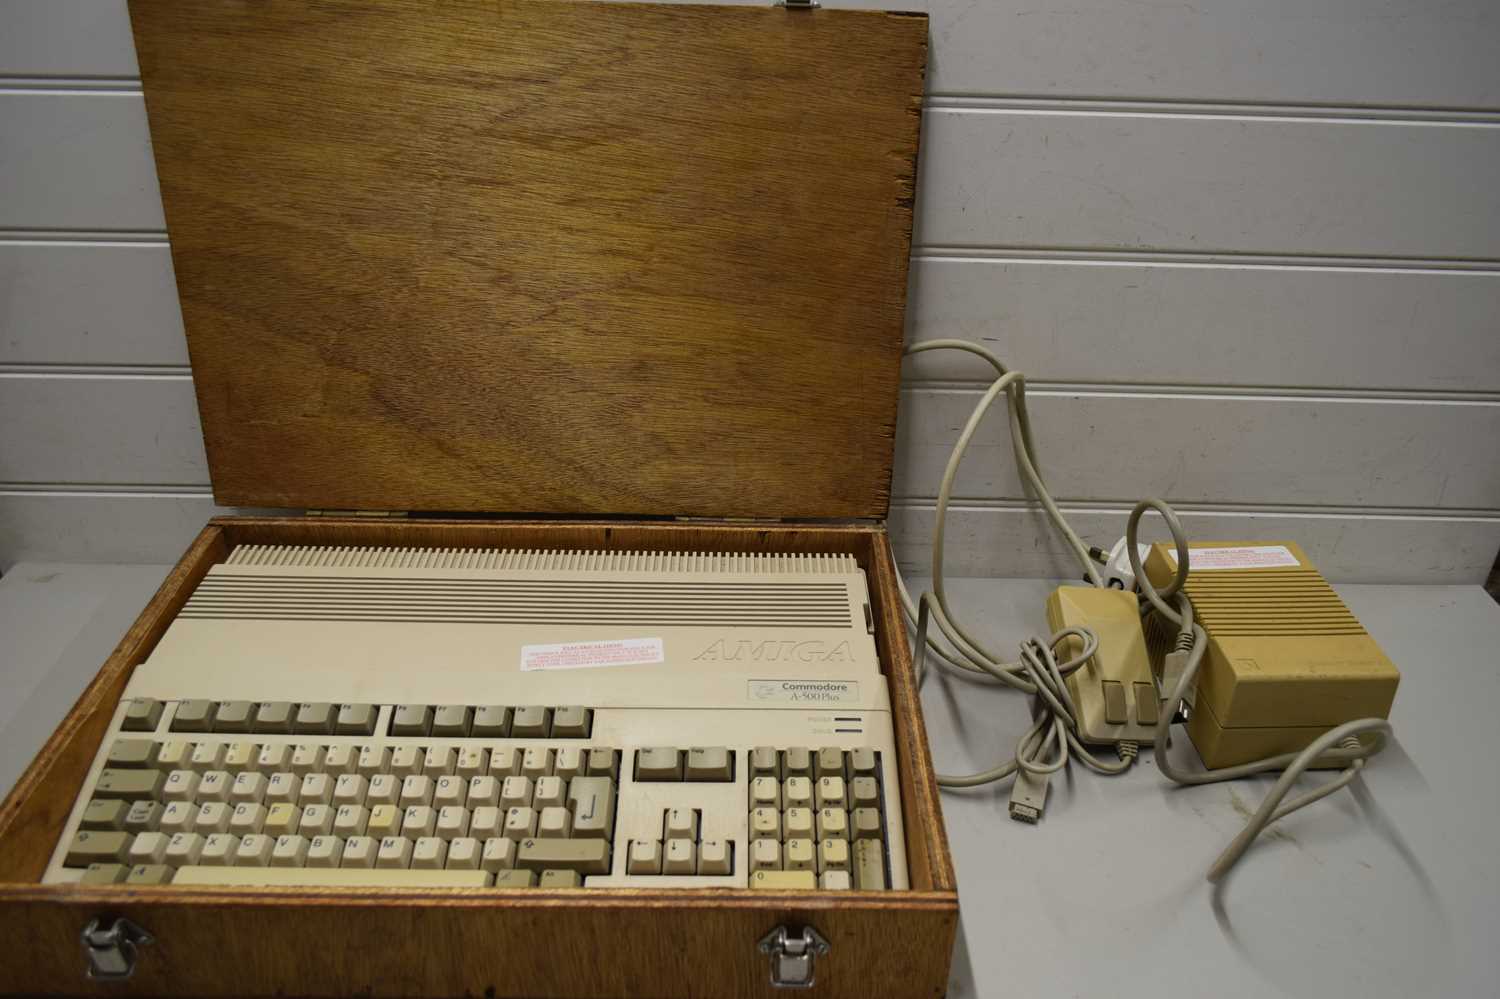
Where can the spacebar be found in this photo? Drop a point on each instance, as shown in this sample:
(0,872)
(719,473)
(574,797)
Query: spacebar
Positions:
(330,877)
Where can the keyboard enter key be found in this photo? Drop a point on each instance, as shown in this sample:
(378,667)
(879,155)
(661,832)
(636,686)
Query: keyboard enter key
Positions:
(592,800)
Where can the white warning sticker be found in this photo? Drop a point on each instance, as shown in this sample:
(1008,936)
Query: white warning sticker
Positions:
(593,655)
(1251,557)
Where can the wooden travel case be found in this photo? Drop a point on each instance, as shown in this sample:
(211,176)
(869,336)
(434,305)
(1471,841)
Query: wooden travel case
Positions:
(599,276)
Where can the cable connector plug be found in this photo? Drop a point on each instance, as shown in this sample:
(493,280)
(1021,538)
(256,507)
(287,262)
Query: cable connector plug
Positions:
(1128,750)
(1117,572)
(1028,796)
(1172,665)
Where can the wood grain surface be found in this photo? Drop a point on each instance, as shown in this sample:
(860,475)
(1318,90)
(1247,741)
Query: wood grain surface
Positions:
(540,256)
(589,942)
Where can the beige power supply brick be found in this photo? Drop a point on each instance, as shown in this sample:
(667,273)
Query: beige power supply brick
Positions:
(1286,660)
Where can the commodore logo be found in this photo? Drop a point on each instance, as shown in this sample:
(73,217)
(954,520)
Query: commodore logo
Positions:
(745,651)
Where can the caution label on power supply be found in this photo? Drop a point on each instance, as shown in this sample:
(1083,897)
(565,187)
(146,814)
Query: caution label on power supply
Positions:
(593,655)
(1248,557)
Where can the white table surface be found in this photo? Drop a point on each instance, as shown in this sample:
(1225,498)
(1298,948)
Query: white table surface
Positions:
(1390,891)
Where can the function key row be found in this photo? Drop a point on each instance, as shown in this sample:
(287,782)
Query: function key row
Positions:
(487,721)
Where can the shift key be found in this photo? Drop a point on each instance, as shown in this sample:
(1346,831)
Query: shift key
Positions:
(132,785)
(586,856)
(97,847)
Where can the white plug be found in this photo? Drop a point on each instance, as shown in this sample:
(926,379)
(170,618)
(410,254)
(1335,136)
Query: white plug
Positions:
(1117,572)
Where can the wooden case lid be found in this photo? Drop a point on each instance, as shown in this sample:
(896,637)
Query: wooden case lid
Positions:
(554,257)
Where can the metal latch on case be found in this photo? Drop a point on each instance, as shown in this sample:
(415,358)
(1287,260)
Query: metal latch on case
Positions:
(111,949)
(793,956)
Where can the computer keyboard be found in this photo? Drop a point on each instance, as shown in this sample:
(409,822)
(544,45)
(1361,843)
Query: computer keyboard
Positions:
(508,720)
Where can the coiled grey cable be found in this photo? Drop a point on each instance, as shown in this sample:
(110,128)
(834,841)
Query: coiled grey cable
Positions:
(1038,672)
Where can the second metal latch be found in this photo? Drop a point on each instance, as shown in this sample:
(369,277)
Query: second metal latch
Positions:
(111,949)
(793,956)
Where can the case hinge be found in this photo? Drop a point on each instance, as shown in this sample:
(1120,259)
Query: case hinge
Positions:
(793,956)
(111,949)
(374,514)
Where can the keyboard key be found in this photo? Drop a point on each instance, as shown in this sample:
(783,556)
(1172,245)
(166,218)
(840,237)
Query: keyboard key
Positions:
(482,791)
(472,762)
(586,856)
(829,762)
(254,850)
(144,816)
(290,851)
(105,813)
(406,761)
(282,819)
(548,792)
(247,818)
(452,822)
(373,760)
(831,792)
(463,854)
(275,759)
(515,879)
(765,823)
(835,881)
(215,786)
(212,817)
(864,823)
(644,857)
(798,823)
(765,762)
(418,821)
(783,880)
(384,789)
(515,792)
(439,761)
(385,820)
(131,754)
(862,762)
(315,789)
(592,801)
(765,792)
(520,823)
(359,852)
(174,754)
(570,762)
(491,721)
(416,791)
(141,715)
(349,789)
(330,877)
(325,851)
(529,721)
(536,762)
(505,761)
(307,758)
(411,719)
(499,855)
(208,756)
(560,879)
(282,788)
(869,865)
(218,850)
(394,853)
(798,855)
(680,857)
(241,757)
(274,717)
(796,792)
(554,822)
(449,791)
(428,853)
(184,848)
(833,823)
(315,718)
(864,792)
(714,857)
(350,820)
(680,823)
(177,817)
(234,716)
(131,785)
(340,760)
(796,762)
(316,820)
(194,716)
(833,855)
(486,822)
(104,874)
(604,762)
(356,719)
(452,720)
(572,722)
(150,874)
(659,763)
(148,848)
(710,763)
(765,855)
